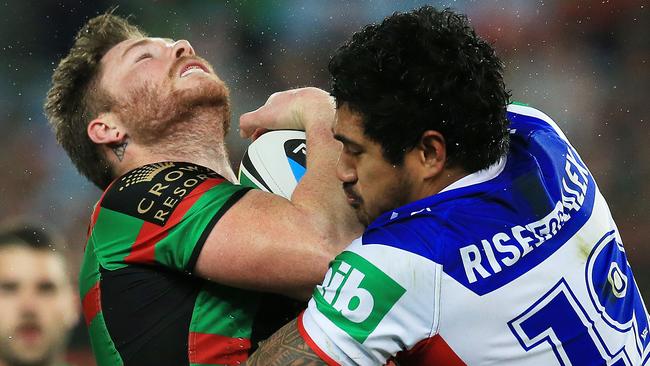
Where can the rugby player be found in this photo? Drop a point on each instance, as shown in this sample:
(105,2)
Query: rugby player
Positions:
(38,306)
(175,246)
(487,240)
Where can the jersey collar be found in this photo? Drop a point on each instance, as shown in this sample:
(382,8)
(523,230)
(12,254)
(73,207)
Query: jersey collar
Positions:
(457,188)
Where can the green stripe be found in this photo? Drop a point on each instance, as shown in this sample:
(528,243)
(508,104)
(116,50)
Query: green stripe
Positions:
(175,250)
(103,347)
(224,311)
(114,235)
(244,180)
(89,272)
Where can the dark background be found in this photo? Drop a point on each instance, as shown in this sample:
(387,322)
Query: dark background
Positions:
(584,63)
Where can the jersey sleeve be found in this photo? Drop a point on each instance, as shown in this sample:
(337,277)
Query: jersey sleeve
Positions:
(375,301)
(160,214)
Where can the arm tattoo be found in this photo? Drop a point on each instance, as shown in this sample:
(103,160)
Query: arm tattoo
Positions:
(119,150)
(285,348)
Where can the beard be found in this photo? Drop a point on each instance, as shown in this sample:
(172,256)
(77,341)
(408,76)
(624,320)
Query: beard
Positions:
(153,114)
(394,195)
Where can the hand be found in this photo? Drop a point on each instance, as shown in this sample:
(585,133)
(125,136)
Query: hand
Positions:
(295,109)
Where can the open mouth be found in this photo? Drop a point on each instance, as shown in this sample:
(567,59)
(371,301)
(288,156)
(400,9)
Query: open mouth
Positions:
(192,68)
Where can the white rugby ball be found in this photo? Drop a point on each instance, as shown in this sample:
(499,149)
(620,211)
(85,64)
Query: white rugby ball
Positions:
(275,162)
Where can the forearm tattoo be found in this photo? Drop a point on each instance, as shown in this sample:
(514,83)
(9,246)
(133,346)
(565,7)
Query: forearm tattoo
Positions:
(285,348)
(119,150)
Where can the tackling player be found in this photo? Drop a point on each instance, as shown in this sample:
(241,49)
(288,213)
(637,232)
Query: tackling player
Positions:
(487,240)
(174,245)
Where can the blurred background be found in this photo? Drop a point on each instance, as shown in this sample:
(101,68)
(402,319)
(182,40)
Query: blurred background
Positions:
(585,63)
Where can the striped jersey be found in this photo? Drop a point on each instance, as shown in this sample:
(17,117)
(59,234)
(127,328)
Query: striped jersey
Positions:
(141,303)
(518,264)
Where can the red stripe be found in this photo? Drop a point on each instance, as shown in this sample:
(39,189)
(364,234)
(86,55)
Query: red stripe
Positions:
(92,304)
(95,214)
(430,351)
(97,208)
(314,347)
(143,250)
(216,349)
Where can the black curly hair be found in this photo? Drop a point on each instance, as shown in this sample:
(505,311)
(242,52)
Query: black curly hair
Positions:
(425,70)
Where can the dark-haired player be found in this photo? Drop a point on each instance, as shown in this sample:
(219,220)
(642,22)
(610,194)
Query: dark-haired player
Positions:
(487,240)
(38,307)
(174,245)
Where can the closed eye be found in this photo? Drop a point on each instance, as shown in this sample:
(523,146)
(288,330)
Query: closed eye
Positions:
(143,56)
(351,150)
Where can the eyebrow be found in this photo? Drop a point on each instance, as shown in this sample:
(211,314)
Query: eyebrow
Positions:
(134,45)
(142,42)
(346,140)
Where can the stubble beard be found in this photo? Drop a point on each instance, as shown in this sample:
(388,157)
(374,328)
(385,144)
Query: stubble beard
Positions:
(176,120)
(396,195)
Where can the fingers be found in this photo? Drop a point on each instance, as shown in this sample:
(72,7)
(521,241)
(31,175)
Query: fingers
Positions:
(258,132)
(247,123)
(291,109)
(264,118)
(272,115)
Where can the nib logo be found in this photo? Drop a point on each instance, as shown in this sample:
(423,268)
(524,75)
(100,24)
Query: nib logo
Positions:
(354,303)
(356,295)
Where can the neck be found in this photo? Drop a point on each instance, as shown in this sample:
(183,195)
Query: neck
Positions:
(216,161)
(447,177)
(198,140)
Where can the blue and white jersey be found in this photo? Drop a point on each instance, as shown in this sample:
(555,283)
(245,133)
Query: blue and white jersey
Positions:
(518,264)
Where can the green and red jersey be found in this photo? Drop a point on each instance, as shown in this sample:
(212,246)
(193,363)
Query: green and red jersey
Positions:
(141,303)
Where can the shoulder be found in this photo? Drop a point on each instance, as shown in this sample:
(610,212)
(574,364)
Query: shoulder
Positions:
(375,299)
(153,192)
(408,234)
(525,120)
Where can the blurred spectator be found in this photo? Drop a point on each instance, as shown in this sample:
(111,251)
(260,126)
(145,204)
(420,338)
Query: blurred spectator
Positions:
(38,305)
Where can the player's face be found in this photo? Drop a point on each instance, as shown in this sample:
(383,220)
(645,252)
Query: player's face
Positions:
(157,82)
(37,306)
(371,183)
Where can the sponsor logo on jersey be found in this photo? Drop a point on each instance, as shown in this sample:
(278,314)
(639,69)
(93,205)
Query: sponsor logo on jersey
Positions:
(152,192)
(356,295)
(508,247)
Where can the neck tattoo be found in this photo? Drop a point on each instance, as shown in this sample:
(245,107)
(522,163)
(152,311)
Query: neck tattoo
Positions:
(119,150)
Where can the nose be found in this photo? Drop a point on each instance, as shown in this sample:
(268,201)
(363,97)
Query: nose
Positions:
(345,171)
(182,48)
(28,302)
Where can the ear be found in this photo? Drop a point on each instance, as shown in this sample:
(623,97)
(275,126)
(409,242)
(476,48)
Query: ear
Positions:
(105,131)
(432,153)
